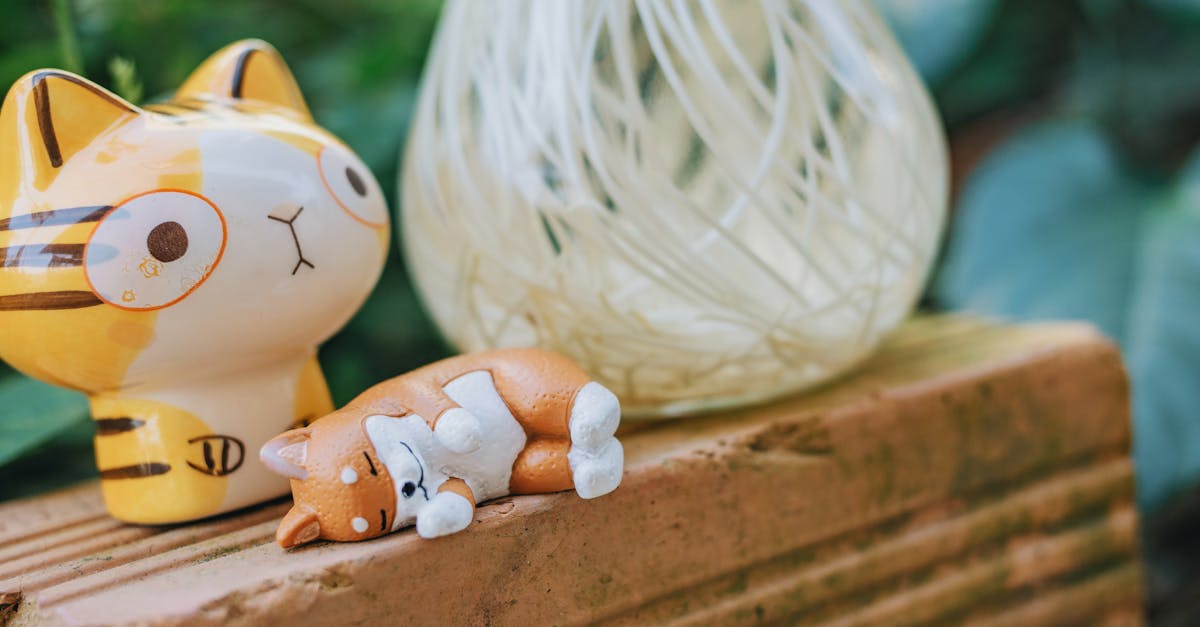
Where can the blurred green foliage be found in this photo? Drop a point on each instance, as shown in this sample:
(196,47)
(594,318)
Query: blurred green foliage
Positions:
(1095,241)
(957,23)
(358,63)
(33,413)
(1088,210)
(1089,207)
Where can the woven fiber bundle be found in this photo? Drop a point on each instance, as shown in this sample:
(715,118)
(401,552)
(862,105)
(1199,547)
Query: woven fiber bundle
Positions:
(704,202)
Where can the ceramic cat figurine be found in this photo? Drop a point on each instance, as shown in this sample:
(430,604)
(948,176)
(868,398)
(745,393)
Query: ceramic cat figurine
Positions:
(427,446)
(180,263)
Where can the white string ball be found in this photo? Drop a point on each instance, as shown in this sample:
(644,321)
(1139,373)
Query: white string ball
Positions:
(704,202)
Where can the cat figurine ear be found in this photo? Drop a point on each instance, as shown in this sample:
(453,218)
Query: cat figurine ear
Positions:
(246,70)
(51,115)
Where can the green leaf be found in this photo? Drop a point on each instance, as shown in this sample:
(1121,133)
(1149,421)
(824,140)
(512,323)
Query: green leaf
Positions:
(1180,8)
(937,35)
(67,37)
(1046,228)
(1163,342)
(68,458)
(32,413)
(1025,50)
(1051,226)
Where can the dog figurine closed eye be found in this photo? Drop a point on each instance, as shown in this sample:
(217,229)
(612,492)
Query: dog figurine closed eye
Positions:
(429,445)
(180,263)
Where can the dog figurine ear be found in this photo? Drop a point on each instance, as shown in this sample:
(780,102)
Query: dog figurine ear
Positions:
(287,453)
(299,526)
(246,70)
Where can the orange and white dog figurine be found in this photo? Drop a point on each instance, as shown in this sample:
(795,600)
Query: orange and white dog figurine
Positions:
(428,445)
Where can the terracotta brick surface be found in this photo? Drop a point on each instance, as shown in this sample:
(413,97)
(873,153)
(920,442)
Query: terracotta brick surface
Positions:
(968,472)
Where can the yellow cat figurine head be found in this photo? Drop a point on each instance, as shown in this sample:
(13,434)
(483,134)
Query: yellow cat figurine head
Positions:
(180,263)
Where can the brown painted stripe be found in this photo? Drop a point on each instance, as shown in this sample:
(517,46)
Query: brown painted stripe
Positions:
(42,255)
(67,299)
(41,100)
(239,72)
(114,426)
(55,217)
(136,471)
